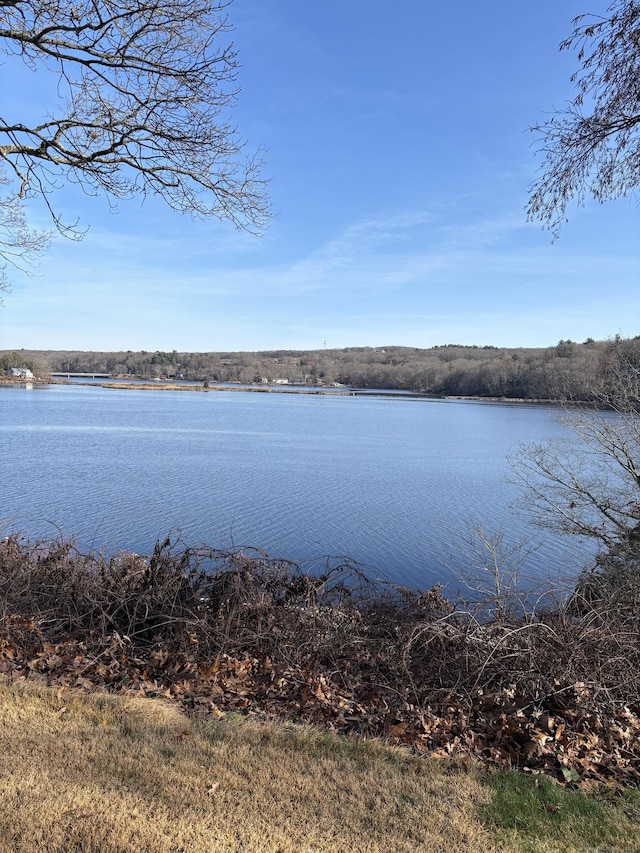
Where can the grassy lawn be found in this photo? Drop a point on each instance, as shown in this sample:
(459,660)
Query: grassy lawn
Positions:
(118,775)
(536,814)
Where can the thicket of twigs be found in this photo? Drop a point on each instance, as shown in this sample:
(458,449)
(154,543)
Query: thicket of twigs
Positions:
(553,689)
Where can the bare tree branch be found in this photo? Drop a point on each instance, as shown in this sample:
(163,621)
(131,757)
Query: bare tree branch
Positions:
(592,147)
(19,244)
(146,88)
(591,486)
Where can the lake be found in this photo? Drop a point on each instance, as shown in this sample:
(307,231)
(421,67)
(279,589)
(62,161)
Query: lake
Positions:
(389,482)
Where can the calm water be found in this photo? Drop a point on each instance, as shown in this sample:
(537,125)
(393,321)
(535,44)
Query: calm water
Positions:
(388,482)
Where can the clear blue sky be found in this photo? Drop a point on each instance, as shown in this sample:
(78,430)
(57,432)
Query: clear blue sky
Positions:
(400,160)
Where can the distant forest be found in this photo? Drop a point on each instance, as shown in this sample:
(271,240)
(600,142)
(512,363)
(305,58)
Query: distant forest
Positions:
(567,370)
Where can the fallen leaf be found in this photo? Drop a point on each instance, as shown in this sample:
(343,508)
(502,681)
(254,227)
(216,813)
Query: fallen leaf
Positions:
(570,774)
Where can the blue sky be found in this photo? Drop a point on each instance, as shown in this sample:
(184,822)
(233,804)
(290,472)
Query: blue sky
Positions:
(398,148)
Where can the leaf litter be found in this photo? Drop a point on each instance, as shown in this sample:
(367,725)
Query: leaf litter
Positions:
(259,637)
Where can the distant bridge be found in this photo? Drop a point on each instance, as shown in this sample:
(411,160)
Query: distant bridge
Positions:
(67,375)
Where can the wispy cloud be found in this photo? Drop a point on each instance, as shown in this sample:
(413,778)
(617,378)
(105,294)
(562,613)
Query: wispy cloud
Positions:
(406,277)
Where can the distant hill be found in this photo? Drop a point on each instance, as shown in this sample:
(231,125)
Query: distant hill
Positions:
(567,370)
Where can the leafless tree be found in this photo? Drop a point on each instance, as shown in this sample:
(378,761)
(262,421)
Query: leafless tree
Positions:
(590,485)
(144,91)
(592,147)
(495,575)
(19,244)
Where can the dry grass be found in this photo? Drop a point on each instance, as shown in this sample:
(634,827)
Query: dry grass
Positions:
(109,774)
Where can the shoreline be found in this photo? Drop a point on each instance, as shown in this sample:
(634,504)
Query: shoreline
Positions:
(144,385)
(151,385)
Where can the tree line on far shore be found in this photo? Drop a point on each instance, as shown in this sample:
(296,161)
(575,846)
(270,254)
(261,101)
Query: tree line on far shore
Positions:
(568,370)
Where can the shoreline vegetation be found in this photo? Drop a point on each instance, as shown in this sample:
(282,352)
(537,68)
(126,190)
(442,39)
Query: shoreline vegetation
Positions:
(162,385)
(551,689)
(565,371)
